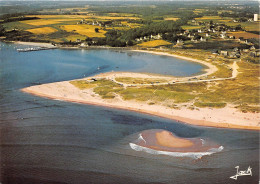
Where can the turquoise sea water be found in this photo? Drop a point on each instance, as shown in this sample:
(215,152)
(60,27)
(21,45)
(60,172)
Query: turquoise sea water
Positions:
(48,141)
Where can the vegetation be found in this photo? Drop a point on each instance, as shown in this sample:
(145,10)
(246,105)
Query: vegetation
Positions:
(148,25)
(43,30)
(154,43)
(130,80)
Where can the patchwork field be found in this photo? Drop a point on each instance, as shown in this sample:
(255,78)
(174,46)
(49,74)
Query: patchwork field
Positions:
(171,18)
(154,43)
(189,27)
(243,34)
(43,30)
(208,18)
(248,26)
(40,22)
(216,19)
(58,16)
(87,30)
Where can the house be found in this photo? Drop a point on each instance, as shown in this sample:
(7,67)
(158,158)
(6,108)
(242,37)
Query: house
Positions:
(202,39)
(255,17)
(252,48)
(207,35)
(222,36)
(78,40)
(234,54)
(235,49)
(223,52)
(83,44)
(179,41)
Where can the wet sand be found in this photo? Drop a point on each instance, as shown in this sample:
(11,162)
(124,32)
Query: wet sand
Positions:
(162,140)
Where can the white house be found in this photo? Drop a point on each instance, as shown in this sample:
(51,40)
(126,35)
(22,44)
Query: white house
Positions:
(255,17)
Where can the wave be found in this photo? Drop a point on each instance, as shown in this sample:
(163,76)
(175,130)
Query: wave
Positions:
(195,155)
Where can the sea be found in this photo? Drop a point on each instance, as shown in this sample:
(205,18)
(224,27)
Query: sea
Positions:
(44,141)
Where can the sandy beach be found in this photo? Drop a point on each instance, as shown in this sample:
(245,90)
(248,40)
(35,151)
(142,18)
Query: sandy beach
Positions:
(227,117)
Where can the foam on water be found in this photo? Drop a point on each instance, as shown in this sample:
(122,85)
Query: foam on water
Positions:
(195,155)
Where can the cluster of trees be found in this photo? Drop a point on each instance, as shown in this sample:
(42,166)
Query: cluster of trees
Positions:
(14,19)
(2,30)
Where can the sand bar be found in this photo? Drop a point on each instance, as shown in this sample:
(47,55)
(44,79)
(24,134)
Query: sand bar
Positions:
(163,140)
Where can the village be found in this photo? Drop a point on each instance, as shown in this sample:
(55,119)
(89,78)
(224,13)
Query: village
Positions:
(208,32)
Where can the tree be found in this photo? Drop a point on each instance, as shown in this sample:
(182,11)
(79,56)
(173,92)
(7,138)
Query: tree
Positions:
(96,30)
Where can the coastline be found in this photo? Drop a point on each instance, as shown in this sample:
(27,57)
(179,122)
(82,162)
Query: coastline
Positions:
(37,44)
(207,117)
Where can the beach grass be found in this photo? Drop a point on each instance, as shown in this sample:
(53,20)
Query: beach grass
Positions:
(210,104)
(131,80)
(83,84)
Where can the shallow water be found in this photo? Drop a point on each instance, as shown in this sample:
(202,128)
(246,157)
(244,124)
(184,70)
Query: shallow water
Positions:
(48,141)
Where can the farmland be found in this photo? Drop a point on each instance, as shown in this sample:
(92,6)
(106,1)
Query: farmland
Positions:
(243,34)
(43,30)
(216,19)
(171,18)
(40,22)
(155,43)
(87,30)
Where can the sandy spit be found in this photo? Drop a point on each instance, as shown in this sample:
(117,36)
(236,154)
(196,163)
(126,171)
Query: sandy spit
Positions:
(227,117)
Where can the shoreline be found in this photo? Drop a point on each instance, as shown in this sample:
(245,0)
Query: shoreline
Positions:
(207,71)
(206,116)
(64,91)
(39,44)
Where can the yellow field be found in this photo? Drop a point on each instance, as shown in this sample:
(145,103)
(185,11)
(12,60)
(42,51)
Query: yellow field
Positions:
(199,11)
(171,18)
(43,30)
(40,22)
(243,34)
(122,14)
(119,28)
(154,43)
(190,27)
(209,18)
(87,30)
(113,18)
(131,25)
(58,16)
